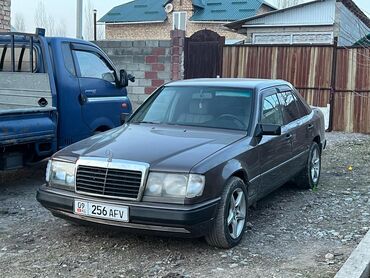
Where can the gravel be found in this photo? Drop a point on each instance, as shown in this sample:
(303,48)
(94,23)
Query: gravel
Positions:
(291,233)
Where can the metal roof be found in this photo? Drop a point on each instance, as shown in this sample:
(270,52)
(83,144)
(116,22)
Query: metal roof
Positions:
(226,10)
(204,10)
(317,12)
(137,11)
(364,42)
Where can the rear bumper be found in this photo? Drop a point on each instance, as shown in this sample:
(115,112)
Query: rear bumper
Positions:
(178,220)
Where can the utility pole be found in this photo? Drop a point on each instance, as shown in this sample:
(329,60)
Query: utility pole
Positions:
(79,16)
(95,32)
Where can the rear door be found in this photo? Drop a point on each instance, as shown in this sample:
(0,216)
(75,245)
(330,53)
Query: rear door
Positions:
(296,125)
(102,102)
(275,151)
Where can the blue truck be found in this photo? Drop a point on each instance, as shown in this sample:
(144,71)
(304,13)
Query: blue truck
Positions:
(55,92)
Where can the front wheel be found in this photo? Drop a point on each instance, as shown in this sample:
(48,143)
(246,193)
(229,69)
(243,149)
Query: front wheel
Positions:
(310,175)
(229,226)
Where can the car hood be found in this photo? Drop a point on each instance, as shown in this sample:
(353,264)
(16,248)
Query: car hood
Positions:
(164,148)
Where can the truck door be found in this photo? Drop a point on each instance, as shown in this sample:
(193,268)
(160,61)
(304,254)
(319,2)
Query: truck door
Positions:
(103,103)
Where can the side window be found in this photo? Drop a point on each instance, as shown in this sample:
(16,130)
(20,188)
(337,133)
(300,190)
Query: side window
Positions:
(93,66)
(271,111)
(303,107)
(68,60)
(290,108)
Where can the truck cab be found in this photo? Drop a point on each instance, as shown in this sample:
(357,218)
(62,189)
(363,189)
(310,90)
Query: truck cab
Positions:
(55,92)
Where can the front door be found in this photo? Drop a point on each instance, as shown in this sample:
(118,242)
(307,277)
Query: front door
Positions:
(274,151)
(102,102)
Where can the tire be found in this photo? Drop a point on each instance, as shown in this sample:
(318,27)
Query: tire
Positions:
(309,177)
(222,234)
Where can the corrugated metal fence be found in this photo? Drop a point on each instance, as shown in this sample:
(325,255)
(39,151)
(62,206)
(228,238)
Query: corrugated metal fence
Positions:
(323,74)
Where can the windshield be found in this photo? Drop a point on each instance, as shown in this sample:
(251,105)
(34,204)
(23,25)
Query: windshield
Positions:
(225,108)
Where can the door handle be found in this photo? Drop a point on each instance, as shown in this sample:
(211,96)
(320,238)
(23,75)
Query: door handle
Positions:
(82,98)
(288,136)
(310,126)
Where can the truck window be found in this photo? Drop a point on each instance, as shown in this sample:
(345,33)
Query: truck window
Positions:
(22,59)
(68,60)
(93,66)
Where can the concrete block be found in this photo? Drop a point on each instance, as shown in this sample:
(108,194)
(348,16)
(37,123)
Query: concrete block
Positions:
(138,44)
(113,44)
(138,90)
(164,59)
(126,44)
(144,82)
(152,43)
(139,59)
(164,75)
(132,67)
(144,67)
(138,74)
(165,43)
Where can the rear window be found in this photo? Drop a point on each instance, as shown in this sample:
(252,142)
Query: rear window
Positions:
(22,59)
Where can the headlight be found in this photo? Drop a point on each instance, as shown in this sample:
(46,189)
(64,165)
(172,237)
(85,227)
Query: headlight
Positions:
(173,187)
(61,174)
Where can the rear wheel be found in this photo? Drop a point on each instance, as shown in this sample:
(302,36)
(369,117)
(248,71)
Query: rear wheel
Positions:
(229,226)
(310,176)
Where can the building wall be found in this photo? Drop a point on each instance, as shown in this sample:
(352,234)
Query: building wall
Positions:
(349,28)
(152,62)
(161,31)
(286,30)
(4,15)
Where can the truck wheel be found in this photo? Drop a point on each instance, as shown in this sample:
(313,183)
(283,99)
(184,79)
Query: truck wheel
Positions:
(310,175)
(229,226)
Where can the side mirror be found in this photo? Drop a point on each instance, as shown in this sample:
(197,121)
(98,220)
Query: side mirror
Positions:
(267,129)
(125,78)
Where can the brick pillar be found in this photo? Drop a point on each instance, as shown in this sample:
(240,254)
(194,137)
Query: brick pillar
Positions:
(4,15)
(177,51)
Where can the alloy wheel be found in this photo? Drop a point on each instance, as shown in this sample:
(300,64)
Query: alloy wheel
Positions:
(237,213)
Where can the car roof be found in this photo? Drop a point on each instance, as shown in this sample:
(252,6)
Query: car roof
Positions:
(246,83)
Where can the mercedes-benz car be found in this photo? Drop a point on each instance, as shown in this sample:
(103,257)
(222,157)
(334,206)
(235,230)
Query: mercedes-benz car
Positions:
(191,160)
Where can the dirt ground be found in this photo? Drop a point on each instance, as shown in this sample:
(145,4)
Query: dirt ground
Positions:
(292,233)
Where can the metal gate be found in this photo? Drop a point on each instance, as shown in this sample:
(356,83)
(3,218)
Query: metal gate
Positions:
(203,55)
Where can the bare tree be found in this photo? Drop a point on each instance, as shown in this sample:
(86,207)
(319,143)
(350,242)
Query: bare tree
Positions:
(61,29)
(19,24)
(100,32)
(47,21)
(89,21)
(41,18)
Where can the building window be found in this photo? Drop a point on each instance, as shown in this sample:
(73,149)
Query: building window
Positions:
(179,21)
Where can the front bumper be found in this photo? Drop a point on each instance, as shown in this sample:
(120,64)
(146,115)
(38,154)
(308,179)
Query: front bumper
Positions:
(177,220)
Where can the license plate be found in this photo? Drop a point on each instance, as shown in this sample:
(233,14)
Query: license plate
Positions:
(100,210)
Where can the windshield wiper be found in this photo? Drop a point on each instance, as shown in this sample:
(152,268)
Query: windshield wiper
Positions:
(147,122)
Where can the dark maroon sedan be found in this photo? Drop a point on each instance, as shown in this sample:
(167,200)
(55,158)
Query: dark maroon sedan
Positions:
(191,160)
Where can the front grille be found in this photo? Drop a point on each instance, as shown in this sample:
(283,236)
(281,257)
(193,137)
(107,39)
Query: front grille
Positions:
(108,182)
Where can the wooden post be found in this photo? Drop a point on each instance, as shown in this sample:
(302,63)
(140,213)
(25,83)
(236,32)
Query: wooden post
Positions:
(333,84)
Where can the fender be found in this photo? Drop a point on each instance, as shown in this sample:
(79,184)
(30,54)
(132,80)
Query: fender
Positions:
(239,169)
(99,122)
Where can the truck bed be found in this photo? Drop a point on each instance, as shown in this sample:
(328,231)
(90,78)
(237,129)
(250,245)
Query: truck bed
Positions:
(26,111)
(22,92)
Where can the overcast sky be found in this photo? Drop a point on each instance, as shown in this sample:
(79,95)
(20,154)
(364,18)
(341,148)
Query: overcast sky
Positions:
(64,11)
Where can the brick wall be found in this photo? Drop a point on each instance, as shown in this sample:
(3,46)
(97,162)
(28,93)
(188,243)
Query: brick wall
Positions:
(152,62)
(4,15)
